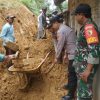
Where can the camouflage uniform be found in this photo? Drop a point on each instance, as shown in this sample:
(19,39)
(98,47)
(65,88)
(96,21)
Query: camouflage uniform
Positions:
(87,52)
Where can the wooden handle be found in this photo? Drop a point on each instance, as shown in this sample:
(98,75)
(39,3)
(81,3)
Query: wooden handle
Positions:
(44,59)
(50,68)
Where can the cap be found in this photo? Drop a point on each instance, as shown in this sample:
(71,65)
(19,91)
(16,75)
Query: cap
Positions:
(56,18)
(12,17)
(82,8)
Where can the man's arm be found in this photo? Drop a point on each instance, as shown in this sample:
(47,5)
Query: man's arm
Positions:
(91,36)
(4,33)
(92,39)
(60,44)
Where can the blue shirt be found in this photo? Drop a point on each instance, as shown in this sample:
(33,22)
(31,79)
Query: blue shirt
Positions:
(2,57)
(7,33)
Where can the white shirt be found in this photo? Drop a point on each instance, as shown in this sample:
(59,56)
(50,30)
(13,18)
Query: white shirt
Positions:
(40,26)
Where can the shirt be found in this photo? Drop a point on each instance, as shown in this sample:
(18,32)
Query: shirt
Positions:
(40,26)
(41,21)
(7,33)
(54,36)
(66,38)
(88,44)
(2,57)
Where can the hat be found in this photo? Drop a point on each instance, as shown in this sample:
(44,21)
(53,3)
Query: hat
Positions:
(56,18)
(82,8)
(12,17)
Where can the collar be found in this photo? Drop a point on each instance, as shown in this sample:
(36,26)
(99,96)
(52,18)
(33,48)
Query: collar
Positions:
(87,21)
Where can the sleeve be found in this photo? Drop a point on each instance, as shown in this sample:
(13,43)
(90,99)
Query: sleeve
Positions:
(60,44)
(92,39)
(40,20)
(4,32)
(2,57)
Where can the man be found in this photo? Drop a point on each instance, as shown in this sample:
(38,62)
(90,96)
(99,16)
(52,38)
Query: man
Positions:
(65,43)
(5,59)
(42,24)
(7,34)
(87,54)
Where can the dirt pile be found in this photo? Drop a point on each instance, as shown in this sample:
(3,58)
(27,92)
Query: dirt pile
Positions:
(50,86)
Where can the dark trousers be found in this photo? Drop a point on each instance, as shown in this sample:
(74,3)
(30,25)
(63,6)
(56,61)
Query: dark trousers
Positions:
(9,52)
(72,78)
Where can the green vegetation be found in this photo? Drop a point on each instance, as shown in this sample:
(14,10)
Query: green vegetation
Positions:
(62,6)
(36,5)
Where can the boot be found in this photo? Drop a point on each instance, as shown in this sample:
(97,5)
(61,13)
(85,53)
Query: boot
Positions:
(70,95)
(67,97)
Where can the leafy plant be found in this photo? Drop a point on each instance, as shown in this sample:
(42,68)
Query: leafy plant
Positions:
(34,5)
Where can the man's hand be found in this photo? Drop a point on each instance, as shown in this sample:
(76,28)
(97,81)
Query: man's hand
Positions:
(84,76)
(65,59)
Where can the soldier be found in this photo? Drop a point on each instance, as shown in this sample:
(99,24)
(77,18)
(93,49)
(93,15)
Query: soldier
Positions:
(66,42)
(87,54)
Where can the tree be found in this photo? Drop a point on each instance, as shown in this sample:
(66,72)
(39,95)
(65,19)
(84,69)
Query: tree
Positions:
(36,5)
